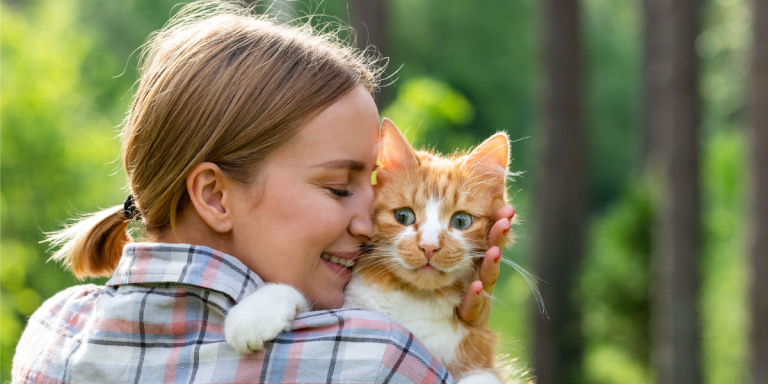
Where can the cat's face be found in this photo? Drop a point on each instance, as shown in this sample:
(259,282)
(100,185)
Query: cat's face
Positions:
(432,214)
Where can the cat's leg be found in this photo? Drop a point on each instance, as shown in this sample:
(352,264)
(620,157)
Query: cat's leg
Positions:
(480,377)
(261,316)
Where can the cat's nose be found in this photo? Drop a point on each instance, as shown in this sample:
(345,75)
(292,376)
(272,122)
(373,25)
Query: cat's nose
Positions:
(428,250)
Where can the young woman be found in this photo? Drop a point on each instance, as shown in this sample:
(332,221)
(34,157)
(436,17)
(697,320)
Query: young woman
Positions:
(249,148)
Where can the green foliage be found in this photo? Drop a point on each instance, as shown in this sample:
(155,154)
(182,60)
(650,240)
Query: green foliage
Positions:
(615,282)
(615,290)
(485,50)
(724,266)
(613,69)
(426,109)
(58,150)
(723,47)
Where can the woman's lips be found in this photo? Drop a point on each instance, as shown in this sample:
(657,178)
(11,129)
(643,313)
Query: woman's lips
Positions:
(339,270)
(348,262)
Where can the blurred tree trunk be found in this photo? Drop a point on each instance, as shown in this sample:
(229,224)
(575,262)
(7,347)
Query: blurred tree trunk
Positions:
(370,22)
(672,127)
(561,199)
(657,38)
(759,194)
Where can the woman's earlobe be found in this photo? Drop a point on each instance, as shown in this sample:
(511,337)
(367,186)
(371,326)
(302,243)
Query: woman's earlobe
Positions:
(208,190)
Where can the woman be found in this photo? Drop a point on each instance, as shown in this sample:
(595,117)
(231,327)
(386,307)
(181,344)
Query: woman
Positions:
(249,149)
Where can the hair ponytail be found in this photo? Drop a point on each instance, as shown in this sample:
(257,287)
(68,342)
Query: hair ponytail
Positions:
(92,246)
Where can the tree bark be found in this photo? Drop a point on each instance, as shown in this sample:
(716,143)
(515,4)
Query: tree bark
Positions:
(672,124)
(658,28)
(561,199)
(758,247)
(370,22)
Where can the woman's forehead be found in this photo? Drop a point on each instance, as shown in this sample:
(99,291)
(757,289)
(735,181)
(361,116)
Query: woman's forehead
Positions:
(346,131)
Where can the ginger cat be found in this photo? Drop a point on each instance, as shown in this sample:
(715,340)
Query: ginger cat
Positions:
(432,216)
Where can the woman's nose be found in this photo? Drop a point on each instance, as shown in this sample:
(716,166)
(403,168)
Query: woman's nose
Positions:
(362,223)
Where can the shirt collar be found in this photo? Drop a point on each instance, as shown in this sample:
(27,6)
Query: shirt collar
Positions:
(185,264)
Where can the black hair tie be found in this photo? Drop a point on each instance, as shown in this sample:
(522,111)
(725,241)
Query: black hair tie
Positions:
(130,210)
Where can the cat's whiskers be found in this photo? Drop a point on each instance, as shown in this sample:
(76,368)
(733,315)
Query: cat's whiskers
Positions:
(338,274)
(475,184)
(386,269)
(532,281)
(351,247)
(471,178)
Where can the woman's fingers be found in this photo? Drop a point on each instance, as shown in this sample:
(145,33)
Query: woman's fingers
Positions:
(489,271)
(475,308)
(496,237)
(471,307)
(505,212)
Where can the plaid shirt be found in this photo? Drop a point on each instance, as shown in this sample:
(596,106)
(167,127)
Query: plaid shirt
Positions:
(161,317)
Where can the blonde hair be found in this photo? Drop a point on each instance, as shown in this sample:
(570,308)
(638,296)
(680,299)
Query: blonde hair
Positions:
(220,84)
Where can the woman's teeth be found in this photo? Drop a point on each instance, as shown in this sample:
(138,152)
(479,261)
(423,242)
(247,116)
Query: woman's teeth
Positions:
(349,263)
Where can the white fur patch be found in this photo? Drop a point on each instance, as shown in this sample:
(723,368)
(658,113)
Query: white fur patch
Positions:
(262,315)
(430,230)
(429,318)
(480,377)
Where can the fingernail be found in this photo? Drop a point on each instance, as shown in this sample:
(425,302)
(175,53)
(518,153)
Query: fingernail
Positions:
(479,291)
(496,260)
(513,215)
(505,231)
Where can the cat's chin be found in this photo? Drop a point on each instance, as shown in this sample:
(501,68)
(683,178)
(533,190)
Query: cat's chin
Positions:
(427,278)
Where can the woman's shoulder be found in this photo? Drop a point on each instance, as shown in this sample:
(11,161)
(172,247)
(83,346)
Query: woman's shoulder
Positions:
(70,300)
(57,320)
(364,334)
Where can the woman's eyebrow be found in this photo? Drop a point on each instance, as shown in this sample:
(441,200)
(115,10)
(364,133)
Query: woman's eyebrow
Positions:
(352,165)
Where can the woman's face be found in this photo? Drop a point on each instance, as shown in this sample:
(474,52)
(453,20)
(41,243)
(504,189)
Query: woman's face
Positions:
(313,201)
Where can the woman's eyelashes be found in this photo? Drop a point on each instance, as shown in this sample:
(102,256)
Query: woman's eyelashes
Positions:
(340,192)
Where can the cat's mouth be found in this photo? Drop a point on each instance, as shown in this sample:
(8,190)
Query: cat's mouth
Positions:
(346,263)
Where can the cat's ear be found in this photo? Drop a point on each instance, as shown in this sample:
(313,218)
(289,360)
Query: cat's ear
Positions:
(491,157)
(395,151)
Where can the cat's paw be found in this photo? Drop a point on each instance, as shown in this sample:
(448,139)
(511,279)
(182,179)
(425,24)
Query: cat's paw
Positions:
(480,377)
(260,317)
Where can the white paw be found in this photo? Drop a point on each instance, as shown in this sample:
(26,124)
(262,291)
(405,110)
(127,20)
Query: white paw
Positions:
(480,377)
(260,317)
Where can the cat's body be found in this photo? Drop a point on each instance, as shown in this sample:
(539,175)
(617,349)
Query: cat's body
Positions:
(462,349)
(432,216)
(431,319)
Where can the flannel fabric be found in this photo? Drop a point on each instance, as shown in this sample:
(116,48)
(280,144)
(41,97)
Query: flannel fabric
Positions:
(160,320)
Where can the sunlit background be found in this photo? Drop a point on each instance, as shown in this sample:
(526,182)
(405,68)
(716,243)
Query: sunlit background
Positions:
(460,71)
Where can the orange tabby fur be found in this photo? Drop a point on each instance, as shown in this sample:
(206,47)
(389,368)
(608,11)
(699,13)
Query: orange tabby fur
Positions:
(473,183)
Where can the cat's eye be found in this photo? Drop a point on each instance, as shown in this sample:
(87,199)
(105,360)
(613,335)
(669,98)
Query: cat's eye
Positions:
(461,220)
(405,216)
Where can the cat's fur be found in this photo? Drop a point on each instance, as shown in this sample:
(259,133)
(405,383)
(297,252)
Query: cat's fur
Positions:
(391,277)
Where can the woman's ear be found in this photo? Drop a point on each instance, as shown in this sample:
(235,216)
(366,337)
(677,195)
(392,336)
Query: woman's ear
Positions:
(209,190)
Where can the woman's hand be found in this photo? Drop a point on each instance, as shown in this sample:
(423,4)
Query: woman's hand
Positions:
(475,309)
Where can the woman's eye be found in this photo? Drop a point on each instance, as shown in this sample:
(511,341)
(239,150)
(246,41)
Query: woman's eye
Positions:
(461,220)
(405,216)
(341,192)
